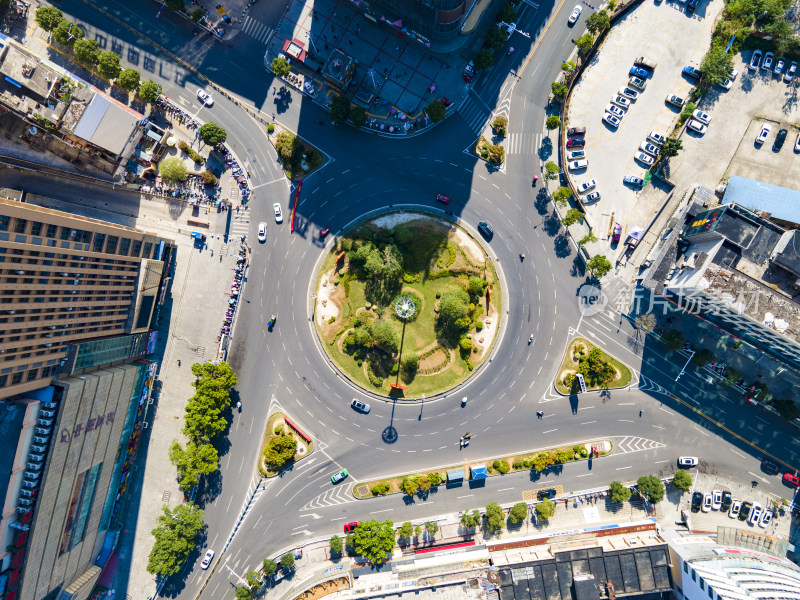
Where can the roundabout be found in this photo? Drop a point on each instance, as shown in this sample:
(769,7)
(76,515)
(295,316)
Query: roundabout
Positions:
(407,305)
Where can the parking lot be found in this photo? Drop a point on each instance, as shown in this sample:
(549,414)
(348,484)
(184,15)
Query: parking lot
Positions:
(665,34)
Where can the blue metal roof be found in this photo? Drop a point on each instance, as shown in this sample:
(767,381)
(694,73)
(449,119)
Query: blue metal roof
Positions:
(782,203)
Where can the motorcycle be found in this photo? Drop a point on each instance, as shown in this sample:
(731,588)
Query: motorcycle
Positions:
(271,322)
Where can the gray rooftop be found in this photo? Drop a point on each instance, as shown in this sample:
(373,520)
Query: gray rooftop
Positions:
(782,203)
(25,69)
(106,124)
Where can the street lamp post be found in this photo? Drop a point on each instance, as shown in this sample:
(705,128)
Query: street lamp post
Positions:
(691,354)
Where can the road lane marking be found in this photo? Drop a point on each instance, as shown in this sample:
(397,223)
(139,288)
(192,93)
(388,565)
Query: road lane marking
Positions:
(381,511)
(549,431)
(584,475)
(623,468)
(505,489)
(588,422)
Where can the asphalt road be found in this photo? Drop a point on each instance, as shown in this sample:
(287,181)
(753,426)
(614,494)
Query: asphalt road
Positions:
(286,366)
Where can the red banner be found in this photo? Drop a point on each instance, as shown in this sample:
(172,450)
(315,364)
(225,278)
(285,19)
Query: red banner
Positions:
(294,208)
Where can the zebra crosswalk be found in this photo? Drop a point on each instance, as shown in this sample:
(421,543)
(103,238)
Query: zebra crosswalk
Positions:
(523,143)
(474,113)
(240,224)
(257,29)
(341,494)
(630,444)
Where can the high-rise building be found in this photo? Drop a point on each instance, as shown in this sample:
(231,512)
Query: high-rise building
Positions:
(66,279)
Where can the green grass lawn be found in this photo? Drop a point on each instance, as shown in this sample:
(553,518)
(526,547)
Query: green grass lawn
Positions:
(568,364)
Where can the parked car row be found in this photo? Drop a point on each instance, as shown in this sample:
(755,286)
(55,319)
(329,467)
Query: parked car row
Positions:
(779,139)
(777,69)
(723,501)
(649,149)
(621,102)
(699,122)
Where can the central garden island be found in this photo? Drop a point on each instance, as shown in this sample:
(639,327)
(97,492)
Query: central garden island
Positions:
(407,304)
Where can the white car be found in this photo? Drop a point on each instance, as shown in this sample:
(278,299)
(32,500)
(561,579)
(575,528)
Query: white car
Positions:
(620,101)
(262,232)
(789,75)
(615,110)
(701,116)
(755,60)
(628,93)
(577,165)
(576,154)
(278,214)
(797,144)
(576,13)
(611,120)
(687,461)
(762,135)
(645,158)
(362,407)
(707,502)
(726,85)
(637,82)
(767,64)
(736,507)
(766,518)
(587,185)
(206,562)
(755,513)
(649,148)
(205,97)
(733,75)
(591,197)
(656,138)
(716,499)
(697,126)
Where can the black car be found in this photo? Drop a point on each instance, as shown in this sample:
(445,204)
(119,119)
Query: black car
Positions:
(697,501)
(727,500)
(692,6)
(549,493)
(781,137)
(486,230)
(745,512)
(769,467)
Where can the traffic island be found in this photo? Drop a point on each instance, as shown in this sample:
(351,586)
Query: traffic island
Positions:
(600,370)
(535,461)
(494,154)
(407,304)
(298,157)
(283,445)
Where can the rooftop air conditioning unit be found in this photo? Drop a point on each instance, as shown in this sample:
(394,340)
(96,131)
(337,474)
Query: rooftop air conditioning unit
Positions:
(29,484)
(39,440)
(38,449)
(47,413)
(21,510)
(32,475)
(36,457)
(42,430)
(33,466)
(26,493)
(25,502)
(44,422)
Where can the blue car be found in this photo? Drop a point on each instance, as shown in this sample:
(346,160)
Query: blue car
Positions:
(637,72)
(690,71)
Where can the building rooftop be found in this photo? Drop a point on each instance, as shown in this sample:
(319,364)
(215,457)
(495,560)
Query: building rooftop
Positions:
(100,120)
(23,70)
(779,202)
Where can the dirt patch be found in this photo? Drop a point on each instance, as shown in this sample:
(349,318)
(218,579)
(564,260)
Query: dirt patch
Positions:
(329,301)
(470,247)
(438,358)
(323,589)
(482,340)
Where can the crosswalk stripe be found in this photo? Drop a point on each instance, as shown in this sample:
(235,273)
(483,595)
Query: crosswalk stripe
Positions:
(256,29)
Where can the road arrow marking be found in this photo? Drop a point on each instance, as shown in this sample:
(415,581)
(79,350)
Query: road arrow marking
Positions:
(315,515)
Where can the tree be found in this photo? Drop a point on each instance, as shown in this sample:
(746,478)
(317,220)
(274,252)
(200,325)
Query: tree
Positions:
(406,530)
(253,579)
(476,286)
(411,362)
(67,33)
(496,153)
(651,488)
(385,335)
(470,520)
(496,37)
(48,17)
(340,108)
(598,265)
(562,195)
(682,481)
(431,528)
(568,66)
(280,451)
(175,534)
(243,593)
(716,66)
(702,357)
(545,509)
(335,544)
(86,51)
(551,169)
(270,567)
(149,91)
(424,482)
(598,21)
(673,339)
(646,322)
(358,116)
(670,148)
(193,462)
(585,42)
(484,59)
(499,124)
(595,368)
(494,517)
(374,540)
(129,79)
(212,134)
(108,65)
(287,561)
(619,493)
(436,110)
(786,408)
(409,485)
(280,66)
(172,169)
(518,513)
(559,90)
(507,14)
(454,311)
(552,122)
(587,239)
(573,216)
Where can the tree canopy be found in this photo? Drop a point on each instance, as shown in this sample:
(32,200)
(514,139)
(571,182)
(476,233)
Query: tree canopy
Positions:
(484,59)
(67,33)
(545,509)
(682,481)
(175,535)
(599,265)
(280,66)
(716,66)
(48,17)
(204,410)
(436,110)
(494,517)
(454,311)
(598,21)
(149,91)
(340,108)
(585,42)
(374,540)
(559,90)
(86,51)
(358,116)
(518,513)
(193,462)
(619,493)
(212,134)
(129,79)
(108,64)
(471,519)
(172,169)
(651,488)
(280,451)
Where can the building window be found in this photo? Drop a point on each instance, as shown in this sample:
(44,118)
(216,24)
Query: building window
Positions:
(710,593)
(20,225)
(125,246)
(51,231)
(685,567)
(33,372)
(16,378)
(65,233)
(137,248)
(111,247)
(4,222)
(36,228)
(694,575)
(702,584)
(45,373)
(3,380)
(78,511)
(148,248)
(99,240)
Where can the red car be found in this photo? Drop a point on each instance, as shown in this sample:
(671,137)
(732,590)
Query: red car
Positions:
(576,143)
(791,479)
(324,232)
(443,199)
(351,527)
(617,233)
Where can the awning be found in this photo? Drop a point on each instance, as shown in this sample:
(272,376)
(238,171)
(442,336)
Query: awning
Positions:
(478,472)
(13,82)
(636,233)
(455,475)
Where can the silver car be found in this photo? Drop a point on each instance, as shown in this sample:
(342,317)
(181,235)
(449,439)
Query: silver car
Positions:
(615,110)
(360,406)
(587,185)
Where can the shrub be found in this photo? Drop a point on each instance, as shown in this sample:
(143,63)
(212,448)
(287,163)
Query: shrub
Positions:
(208,177)
(379,489)
(479,326)
(270,128)
(278,430)
(503,468)
(172,169)
(465,343)
(435,478)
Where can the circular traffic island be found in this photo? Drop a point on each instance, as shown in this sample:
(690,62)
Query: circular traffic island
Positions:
(407,304)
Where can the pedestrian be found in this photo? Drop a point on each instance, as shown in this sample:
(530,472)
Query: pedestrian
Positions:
(273,90)
(351,42)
